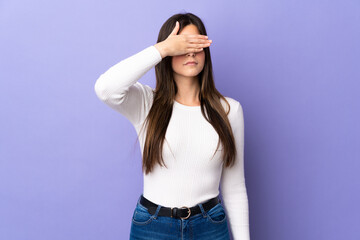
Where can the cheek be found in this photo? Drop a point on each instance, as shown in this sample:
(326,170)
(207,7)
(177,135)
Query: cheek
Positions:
(202,58)
(202,55)
(177,61)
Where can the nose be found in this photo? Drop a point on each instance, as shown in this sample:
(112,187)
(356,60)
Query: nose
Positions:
(192,53)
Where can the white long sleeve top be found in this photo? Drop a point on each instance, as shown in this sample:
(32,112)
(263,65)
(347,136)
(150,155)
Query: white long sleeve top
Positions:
(192,174)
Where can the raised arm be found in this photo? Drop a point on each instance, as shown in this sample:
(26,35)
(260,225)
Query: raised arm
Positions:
(119,88)
(233,189)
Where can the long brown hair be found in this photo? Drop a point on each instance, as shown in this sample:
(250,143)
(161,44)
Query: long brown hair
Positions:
(160,112)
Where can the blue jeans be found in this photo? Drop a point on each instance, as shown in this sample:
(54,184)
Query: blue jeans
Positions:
(205,225)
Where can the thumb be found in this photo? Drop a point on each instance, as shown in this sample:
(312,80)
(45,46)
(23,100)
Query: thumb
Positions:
(176,29)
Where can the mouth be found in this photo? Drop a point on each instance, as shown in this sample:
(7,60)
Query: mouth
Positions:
(191,63)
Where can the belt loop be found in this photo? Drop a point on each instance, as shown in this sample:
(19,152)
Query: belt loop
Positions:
(175,214)
(202,210)
(157,211)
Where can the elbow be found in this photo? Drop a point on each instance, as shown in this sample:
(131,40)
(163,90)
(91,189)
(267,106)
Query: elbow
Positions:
(100,89)
(107,93)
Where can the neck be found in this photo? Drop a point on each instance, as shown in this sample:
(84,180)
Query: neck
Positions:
(187,90)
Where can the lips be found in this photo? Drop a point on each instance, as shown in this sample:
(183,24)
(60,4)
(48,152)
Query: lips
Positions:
(191,63)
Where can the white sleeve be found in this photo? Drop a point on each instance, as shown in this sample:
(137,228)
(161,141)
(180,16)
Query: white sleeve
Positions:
(233,189)
(119,89)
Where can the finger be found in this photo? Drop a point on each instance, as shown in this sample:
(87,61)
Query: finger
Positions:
(199,45)
(190,50)
(201,41)
(176,29)
(198,49)
(194,50)
(197,36)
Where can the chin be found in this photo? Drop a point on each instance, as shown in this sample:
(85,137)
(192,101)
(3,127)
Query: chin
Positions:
(190,75)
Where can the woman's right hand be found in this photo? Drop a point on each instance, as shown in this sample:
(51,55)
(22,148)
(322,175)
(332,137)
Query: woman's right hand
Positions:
(175,44)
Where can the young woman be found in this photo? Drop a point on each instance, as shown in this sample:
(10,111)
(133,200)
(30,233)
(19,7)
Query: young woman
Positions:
(192,138)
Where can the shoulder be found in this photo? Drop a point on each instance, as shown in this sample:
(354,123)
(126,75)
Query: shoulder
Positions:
(235,105)
(145,89)
(236,111)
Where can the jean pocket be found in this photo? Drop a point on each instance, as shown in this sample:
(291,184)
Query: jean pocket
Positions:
(141,215)
(217,214)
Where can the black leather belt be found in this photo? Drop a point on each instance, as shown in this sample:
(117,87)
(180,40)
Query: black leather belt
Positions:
(174,212)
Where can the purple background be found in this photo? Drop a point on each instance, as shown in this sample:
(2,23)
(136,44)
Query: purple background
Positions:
(69,166)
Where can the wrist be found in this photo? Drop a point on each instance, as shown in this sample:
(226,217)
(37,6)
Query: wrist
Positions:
(161,48)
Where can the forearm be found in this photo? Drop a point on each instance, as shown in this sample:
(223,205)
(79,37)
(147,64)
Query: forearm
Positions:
(117,79)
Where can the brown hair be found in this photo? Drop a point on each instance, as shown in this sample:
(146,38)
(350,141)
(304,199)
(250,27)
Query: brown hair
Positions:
(160,112)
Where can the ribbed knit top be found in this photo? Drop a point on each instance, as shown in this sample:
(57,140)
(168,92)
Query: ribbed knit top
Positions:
(192,174)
